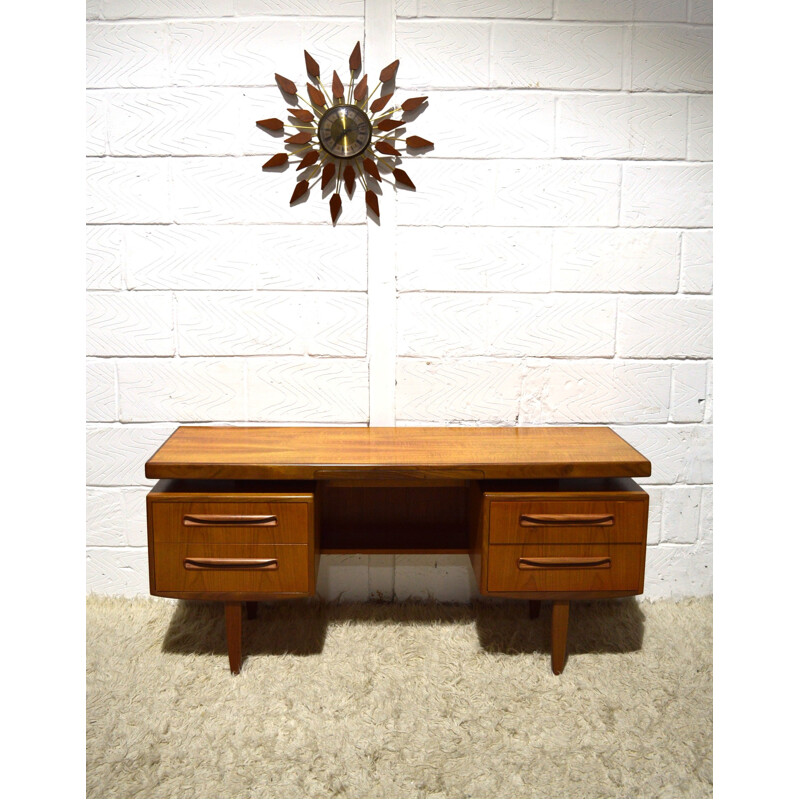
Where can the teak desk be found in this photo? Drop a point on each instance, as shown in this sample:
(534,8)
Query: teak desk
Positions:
(243,514)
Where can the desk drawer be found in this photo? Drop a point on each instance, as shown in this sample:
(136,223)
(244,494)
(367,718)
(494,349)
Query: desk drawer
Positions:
(562,520)
(192,567)
(233,522)
(566,568)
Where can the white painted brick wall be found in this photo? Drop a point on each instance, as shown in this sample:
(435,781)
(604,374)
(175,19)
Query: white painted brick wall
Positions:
(553,267)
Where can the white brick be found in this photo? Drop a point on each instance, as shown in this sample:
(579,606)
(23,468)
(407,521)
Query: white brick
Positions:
(442,54)
(335,323)
(110,570)
(697,262)
(664,327)
(101,391)
(710,394)
(406,8)
(449,192)
(671,58)
(116,517)
(666,195)
(556,193)
(655,504)
(185,389)
(104,257)
(127,190)
(446,578)
(688,400)
(701,124)
(596,392)
(93,9)
(494,9)
(297,390)
(556,56)
(442,324)
(594,10)
(307,8)
(96,128)
(621,126)
(463,390)
(701,11)
(234,52)
(706,533)
(320,257)
(678,453)
(474,259)
(676,571)
(449,121)
(240,323)
(189,257)
(136,9)
(615,260)
(126,55)
(116,455)
(381,577)
(126,324)
(343,579)
(235,190)
(330,42)
(660,10)
(193,121)
(681,514)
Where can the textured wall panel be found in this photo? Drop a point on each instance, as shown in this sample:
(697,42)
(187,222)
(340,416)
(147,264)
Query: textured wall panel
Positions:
(353,8)
(128,324)
(666,195)
(116,517)
(588,10)
(700,128)
(115,571)
(556,193)
(464,390)
(452,575)
(474,259)
(116,454)
(96,128)
(126,55)
(104,257)
(493,9)
(335,323)
(660,10)
(127,190)
(701,11)
(596,392)
(664,327)
(678,571)
(621,126)
(194,121)
(125,9)
(671,58)
(297,390)
(706,533)
(240,323)
(688,401)
(680,520)
(185,390)
(615,260)
(442,54)
(101,391)
(697,262)
(468,124)
(556,56)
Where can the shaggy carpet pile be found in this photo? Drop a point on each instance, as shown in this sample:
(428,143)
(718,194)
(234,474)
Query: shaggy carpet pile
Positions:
(399,700)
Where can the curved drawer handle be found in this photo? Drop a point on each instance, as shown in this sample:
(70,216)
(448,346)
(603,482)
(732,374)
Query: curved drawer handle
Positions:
(551,520)
(240,520)
(230,563)
(564,562)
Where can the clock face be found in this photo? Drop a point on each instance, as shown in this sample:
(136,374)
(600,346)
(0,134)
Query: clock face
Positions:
(345,131)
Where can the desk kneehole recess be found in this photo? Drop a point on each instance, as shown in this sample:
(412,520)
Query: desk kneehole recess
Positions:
(529,533)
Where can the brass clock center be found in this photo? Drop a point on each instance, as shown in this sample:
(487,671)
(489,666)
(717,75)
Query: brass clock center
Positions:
(345,131)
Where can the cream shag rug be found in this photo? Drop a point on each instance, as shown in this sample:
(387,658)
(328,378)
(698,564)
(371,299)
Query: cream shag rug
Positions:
(398,700)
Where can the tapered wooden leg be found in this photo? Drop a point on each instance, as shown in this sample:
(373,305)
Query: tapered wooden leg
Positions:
(558,635)
(534,607)
(252,609)
(233,630)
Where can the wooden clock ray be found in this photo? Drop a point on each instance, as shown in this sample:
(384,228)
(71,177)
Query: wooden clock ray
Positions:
(342,137)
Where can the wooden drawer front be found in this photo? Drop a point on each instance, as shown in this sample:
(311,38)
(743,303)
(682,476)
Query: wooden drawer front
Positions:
(189,567)
(566,568)
(568,521)
(232,522)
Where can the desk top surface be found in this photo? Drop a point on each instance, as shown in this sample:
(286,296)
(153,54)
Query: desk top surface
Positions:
(334,453)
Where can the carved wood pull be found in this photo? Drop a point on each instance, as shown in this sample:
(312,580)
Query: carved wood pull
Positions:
(240,520)
(538,520)
(564,562)
(230,563)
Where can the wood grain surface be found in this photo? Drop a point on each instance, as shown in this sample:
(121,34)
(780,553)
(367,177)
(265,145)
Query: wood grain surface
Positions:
(342,453)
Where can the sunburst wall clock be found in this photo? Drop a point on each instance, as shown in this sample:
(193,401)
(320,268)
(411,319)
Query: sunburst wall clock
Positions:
(342,137)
